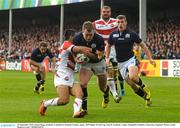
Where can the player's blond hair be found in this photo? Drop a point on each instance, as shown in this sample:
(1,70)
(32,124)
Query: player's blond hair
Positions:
(106,7)
(87,25)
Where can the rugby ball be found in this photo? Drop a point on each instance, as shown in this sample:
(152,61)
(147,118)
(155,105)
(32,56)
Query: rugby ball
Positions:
(82,57)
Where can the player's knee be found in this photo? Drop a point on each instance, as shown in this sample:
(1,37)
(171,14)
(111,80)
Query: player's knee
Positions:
(63,101)
(79,94)
(83,84)
(43,69)
(133,78)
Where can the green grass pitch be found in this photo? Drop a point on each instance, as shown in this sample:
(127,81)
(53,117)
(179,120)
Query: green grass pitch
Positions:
(18,103)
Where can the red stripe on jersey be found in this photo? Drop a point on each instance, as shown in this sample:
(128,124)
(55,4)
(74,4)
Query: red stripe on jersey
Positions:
(102,22)
(112,21)
(105,28)
(105,32)
(67,44)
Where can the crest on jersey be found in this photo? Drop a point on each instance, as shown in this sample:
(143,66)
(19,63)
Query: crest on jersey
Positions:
(127,35)
(112,25)
(93,45)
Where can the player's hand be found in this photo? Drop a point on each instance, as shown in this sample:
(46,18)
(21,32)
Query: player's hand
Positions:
(152,62)
(85,50)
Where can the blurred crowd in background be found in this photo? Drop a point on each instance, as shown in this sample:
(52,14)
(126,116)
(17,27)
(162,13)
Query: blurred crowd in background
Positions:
(163,35)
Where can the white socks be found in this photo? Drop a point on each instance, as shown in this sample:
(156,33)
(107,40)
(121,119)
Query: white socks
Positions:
(51,102)
(112,87)
(77,104)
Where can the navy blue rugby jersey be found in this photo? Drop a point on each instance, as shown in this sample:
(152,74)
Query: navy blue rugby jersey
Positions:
(123,42)
(37,56)
(97,43)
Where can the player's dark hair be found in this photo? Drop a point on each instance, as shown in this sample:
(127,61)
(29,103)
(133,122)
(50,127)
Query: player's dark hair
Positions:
(121,17)
(88,26)
(68,33)
(43,44)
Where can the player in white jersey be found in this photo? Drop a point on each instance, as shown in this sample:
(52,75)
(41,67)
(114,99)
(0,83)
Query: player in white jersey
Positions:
(64,80)
(104,27)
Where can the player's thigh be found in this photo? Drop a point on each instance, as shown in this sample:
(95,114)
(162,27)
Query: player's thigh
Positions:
(35,68)
(63,92)
(133,72)
(85,75)
(76,90)
(99,68)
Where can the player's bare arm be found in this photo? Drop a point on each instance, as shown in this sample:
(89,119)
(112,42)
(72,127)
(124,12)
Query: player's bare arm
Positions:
(107,52)
(32,62)
(148,53)
(81,49)
(53,64)
(96,55)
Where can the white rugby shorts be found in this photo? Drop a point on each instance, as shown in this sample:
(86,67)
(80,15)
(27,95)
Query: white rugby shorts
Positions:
(64,76)
(123,66)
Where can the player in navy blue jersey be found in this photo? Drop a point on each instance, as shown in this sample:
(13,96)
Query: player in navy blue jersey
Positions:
(36,63)
(96,64)
(123,39)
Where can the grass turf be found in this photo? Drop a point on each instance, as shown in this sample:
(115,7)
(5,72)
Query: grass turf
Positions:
(18,103)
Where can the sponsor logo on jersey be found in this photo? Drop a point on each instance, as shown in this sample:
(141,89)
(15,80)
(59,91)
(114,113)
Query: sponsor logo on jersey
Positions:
(115,35)
(120,38)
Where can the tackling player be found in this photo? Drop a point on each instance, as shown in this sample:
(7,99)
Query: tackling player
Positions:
(64,79)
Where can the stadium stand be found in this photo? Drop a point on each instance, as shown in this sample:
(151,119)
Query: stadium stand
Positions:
(163,34)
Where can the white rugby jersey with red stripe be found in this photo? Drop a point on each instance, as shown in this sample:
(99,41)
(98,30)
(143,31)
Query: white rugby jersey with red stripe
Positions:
(105,28)
(65,57)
